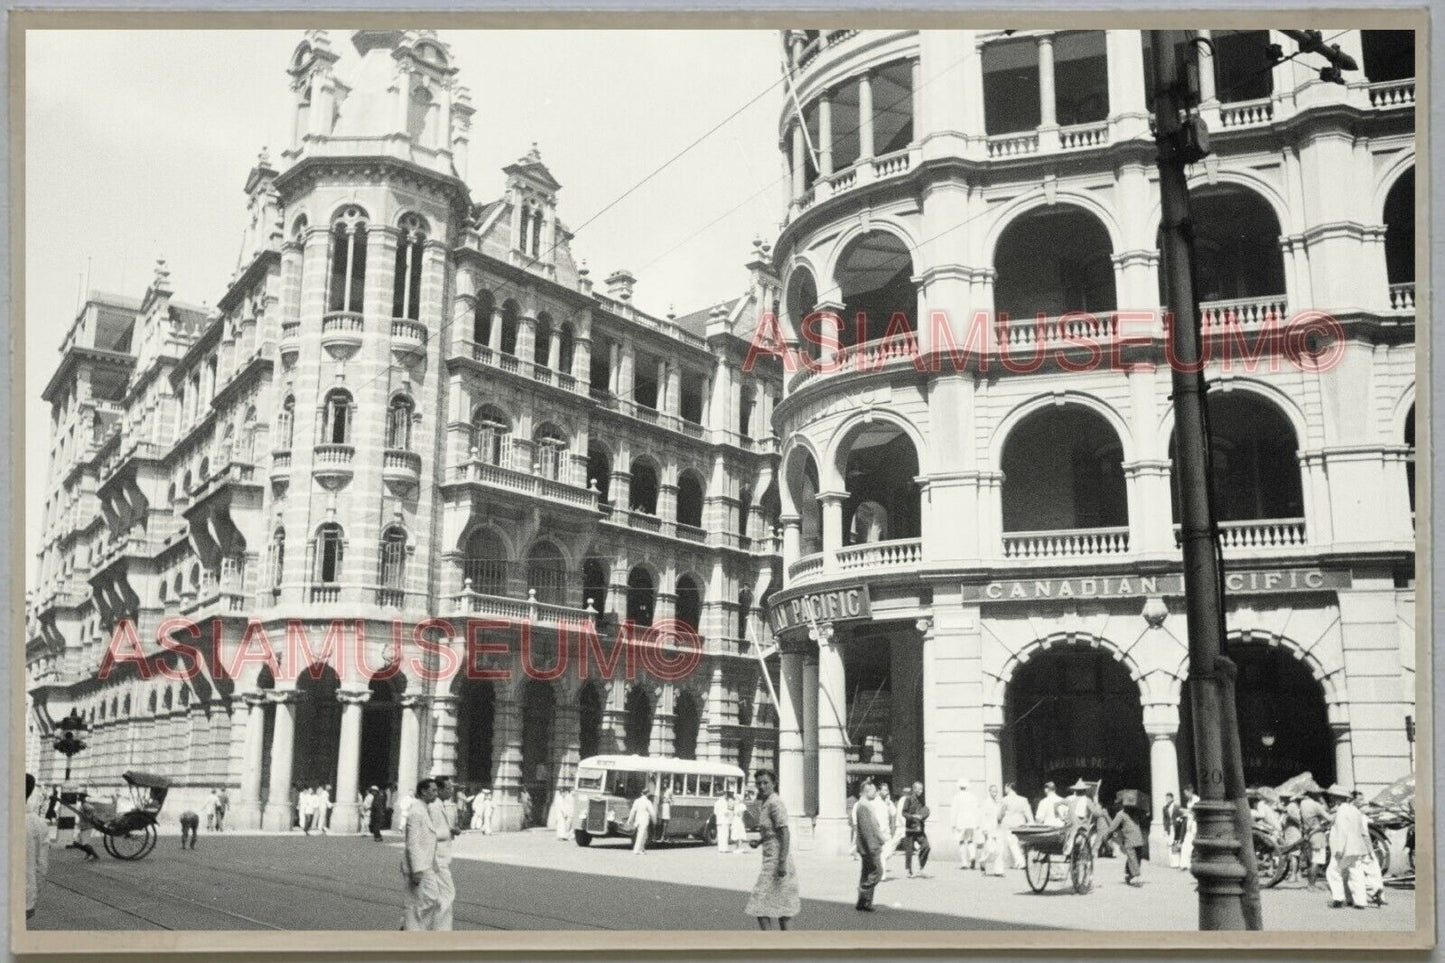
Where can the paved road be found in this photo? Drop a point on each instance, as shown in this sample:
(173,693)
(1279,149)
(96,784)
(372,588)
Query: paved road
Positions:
(531,881)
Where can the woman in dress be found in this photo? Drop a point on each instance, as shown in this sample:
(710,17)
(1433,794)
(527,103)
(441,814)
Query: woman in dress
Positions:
(775,894)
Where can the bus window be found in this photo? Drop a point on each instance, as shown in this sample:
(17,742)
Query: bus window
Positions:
(677,784)
(589,779)
(691,785)
(704,785)
(732,785)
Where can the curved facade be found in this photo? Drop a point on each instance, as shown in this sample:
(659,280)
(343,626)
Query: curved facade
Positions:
(407,405)
(981,578)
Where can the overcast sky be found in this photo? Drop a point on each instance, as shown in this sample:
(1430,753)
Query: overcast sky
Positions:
(138,144)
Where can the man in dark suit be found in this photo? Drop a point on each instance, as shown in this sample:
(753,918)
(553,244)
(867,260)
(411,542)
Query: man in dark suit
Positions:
(1131,838)
(871,819)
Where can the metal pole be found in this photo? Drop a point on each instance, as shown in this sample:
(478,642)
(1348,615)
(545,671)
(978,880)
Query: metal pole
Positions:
(1217,862)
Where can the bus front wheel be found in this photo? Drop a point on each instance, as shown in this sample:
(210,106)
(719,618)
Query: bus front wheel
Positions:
(583,837)
(709,833)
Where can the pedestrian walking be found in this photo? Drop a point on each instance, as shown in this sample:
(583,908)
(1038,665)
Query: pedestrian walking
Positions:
(664,813)
(295,805)
(1131,839)
(324,805)
(190,823)
(850,804)
(1315,819)
(868,816)
(422,896)
(306,809)
(775,894)
(1186,835)
(915,837)
(223,806)
(1013,813)
(390,803)
(739,834)
(524,799)
(895,829)
(722,821)
(85,828)
(1349,842)
(639,821)
(403,803)
(209,807)
(377,815)
(37,851)
(442,821)
(564,813)
(489,812)
(963,808)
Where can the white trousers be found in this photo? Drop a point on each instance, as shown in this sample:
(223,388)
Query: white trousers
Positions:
(1347,872)
(428,905)
(724,836)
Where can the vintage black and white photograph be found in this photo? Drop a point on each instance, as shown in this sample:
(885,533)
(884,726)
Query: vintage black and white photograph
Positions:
(917,479)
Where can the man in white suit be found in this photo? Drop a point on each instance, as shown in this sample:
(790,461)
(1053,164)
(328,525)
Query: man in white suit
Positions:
(422,901)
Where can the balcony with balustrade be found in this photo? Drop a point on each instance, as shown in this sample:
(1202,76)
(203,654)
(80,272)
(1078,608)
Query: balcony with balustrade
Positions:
(469,603)
(333,462)
(401,467)
(342,330)
(408,339)
(507,470)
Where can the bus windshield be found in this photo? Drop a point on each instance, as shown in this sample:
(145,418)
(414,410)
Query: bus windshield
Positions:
(589,778)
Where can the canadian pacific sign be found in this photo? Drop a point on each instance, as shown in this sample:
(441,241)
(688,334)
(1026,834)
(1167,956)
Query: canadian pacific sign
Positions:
(841,604)
(1144,586)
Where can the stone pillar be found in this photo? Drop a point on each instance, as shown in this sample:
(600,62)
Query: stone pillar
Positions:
(248,815)
(832,527)
(566,742)
(916,78)
(507,758)
(799,162)
(927,651)
(1161,723)
(792,539)
(345,816)
(791,733)
(1128,113)
(444,736)
(810,733)
(408,766)
(992,756)
(283,735)
(1206,71)
(865,116)
(825,133)
(1048,116)
(1344,747)
(831,829)
(494,332)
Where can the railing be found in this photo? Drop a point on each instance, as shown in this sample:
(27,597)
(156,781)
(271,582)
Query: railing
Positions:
(1078,136)
(399,459)
(1402,296)
(805,567)
(1066,543)
(325,593)
(280,462)
(335,454)
(339,321)
(1262,533)
(691,533)
(529,609)
(888,165)
(407,330)
(1246,113)
(1013,145)
(805,199)
(518,481)
(1393,93)
(290,331)
(843,179)
(1245,312)
(644,521)
(1078,327)
(898,553)
(824,41)
(392,598)
(691,428)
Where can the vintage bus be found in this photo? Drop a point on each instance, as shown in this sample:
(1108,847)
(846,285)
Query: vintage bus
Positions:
(607,786)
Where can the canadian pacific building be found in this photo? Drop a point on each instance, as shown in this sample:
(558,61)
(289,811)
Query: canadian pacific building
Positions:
(981,574)
(407,404)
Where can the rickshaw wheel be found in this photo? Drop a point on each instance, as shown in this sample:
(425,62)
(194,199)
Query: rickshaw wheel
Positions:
(1036,869)
(133,845)
(1082,869)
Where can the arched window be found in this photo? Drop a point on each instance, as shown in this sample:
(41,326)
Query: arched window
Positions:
(526,225)
(278,557)
(537,233)
(599,470)
(330,547)
(482,318)
(644,488)
(286,423)
(406,286)
(689,603)
(163,592)
(303,116)
(1410,458)
(550,453)
(745,612)
(418,113)
(298,286)
(485,563)
(689,499)
(542,346)
(393,559)
(336,418)
(348,261)
(594,583)
(492,436)
(566,348)
(510,315)
(745,509)
(641,596)
(547,573)
(398,423)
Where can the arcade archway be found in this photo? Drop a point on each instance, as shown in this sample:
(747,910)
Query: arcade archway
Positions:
(1074,712)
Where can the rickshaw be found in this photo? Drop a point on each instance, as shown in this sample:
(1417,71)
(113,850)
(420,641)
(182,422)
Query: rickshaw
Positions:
(1070,847)
(129,835)
(1393,808)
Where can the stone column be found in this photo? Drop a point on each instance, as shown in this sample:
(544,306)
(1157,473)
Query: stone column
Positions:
(248,815)
(444,735)
(408,766)
(283,735)
(1048,116)
(992,756)
(792,539)
(810,733)
(825,133)
(345,815)
(791,733)
(566,741)
(799,161)
(831,830)
(865,116)
(927,651)
(1344,748)
(832,527)
(1161,723)
(507,758)
(1125,64)
(494,332)
(916,78)
(1206,70)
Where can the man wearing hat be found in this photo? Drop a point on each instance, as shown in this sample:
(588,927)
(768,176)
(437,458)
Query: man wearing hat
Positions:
(1349,845)
(1131,838)
(1047,812)
(1314,819)
(964,808)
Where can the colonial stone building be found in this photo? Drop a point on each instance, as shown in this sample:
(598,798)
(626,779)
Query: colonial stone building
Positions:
(981,573)
(406,405)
